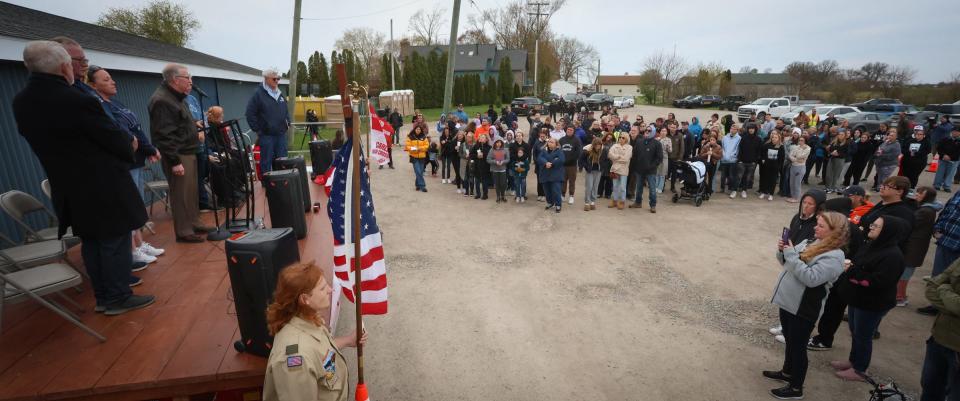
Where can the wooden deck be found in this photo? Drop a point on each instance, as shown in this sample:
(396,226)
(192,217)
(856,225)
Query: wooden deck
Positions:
(181,345)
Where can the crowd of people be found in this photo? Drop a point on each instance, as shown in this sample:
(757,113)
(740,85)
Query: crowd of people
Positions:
(98,137)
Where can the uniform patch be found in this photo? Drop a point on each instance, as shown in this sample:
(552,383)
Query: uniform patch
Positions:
(330,362)
(292,349)
(294,361)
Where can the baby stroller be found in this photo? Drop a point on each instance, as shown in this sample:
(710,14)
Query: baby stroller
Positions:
(693,175)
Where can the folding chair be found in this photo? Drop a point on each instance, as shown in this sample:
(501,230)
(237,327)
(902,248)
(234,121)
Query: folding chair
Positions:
(18,204)
(159,189)
(33,253)
(37,282)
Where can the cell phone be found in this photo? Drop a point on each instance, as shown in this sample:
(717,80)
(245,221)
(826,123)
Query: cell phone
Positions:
(785,236)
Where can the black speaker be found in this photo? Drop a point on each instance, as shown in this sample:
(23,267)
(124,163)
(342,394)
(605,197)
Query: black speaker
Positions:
(283,198)
(254,260)
(297,163)
(321,156)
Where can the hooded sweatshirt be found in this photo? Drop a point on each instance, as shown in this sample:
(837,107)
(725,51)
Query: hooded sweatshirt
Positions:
(695,129)
(802,228)
(903,210)
(887,154)
(877,268)
(571,147)
(803,286)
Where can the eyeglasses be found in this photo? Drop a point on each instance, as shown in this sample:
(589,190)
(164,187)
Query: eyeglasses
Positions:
(275,79)
(893,187)
(187,77)
(81,60)
(874,225)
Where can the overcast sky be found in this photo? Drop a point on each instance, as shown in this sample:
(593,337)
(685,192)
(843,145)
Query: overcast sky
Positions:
(735,33)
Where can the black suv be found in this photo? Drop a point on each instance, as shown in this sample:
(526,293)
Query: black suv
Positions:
(732,103)
(525,106)
(881,104)
(597,101)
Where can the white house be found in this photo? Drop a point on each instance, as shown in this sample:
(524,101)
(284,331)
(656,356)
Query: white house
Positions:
(619,85)
(562,87)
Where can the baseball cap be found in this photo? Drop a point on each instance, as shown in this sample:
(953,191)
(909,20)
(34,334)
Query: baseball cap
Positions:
(918,127)
(854,190)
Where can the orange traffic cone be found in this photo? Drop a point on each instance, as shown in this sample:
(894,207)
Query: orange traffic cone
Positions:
(934,164)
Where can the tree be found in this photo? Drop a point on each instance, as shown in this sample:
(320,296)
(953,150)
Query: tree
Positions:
(491,92)
(302,72)
(425,26)
(505,80)
(543,84)
(474,36)
(515,27)
(334,80)
(669,67)
(572,55)
(323,77)
(516,90)
(160,20)
(726,83)
(366,43)
(748,70)
(889,79)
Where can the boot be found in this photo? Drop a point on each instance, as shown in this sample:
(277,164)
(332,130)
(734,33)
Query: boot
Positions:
(621,205)
(586,208)
(613,204)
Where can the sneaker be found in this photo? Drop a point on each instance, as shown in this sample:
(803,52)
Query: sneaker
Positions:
(140,256)
(776,375)
(778,330)
(770,197)
(733,194)
(743,194)
(134,302)
(787,393)
(570,201)
(138,266)
(150,249)
(135,281)
(558,209)
(763,195)
(816,345)
(928,310)
(902,303)
(540,199)
(780,338)
(653,209)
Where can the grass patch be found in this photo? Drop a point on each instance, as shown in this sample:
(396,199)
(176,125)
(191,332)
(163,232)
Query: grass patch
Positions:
(300,146)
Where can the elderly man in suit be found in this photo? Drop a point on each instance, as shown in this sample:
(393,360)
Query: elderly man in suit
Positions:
(87,159)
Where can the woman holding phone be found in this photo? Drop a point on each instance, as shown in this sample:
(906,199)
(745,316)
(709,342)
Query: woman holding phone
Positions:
(809,270)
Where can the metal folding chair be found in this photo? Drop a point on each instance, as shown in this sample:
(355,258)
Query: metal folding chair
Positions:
(158,189)
(18,284)
(19,204)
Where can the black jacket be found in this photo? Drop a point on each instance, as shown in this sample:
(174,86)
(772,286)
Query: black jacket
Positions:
(949,146)
(802,229)
(919,157)
(171,125)
(572,147)
(749,148)
(482,168)
(903,210)
(85,155)
(647,156)
(877,268)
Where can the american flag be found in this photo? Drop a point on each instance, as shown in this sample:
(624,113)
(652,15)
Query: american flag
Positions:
(373,274)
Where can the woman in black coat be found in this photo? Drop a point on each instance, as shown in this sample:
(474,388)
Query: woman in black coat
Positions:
(919,241)
(771,159)
(872,291)
(915,152)
(479,154)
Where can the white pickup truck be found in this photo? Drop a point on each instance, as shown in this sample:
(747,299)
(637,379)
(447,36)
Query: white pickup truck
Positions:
(774,106)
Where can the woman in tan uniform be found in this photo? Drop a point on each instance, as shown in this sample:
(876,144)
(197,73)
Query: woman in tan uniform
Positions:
(305,363)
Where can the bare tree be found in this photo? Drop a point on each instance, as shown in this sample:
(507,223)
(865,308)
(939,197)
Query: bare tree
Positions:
(366,43)
(474,36)
(514,27)
(670,67)
(425,26)
(574,55)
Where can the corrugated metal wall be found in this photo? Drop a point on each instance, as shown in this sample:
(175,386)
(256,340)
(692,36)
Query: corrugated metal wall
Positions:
(20,169)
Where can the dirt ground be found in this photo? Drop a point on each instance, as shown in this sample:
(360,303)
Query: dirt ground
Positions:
(510,302)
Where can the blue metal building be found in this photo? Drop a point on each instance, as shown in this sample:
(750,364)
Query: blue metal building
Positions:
(134,63)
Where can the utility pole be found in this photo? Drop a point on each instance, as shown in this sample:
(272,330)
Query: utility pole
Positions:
(295,45)
(596,81)
(393,80)
(451,57)
(536,44)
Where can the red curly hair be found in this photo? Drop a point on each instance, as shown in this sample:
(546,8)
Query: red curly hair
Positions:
(294,280)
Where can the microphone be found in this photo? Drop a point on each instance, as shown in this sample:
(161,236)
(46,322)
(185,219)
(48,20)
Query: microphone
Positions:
(200,91)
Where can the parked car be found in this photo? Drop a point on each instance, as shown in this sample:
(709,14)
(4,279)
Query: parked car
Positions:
(865,121)
(597,101)
(774,106)
(680,102)
(795,111)
(836,109)
(575,98)
(879,104)
(700,101)
(623,101)
(525,106)
(732,103)
(950,109)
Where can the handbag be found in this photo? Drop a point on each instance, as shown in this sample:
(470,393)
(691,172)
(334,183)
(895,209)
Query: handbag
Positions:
(614,176)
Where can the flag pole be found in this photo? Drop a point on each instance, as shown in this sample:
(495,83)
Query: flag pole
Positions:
(351,122)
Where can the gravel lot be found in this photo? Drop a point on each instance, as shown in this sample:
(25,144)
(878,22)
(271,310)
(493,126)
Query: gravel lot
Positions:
(509,302)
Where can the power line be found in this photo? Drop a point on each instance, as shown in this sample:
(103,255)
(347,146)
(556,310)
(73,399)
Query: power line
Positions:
(363,15)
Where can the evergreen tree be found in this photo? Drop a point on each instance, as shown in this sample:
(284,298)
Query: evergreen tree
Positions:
(491,91)
(505,79)
(313,69)
(334,81)
(477,90)
(323,77)
(303,79)
(431,84)
(385,72)
(516,90)
(457,90)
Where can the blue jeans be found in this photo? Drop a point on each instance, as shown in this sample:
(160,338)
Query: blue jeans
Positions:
(620,188)
(945,173)
(651,180)
(554,193)
(940,376)
(108,262)
(863,324)
(418,166)
(942,259)
(520,185)
(271,147)
(592,184)
(661,179)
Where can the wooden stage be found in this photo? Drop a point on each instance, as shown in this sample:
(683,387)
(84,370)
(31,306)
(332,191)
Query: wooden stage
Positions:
(182,345)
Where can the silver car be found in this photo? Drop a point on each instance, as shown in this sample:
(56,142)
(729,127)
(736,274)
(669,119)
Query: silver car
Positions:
(794,112)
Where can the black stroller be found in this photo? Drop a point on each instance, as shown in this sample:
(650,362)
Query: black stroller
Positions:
(693,174)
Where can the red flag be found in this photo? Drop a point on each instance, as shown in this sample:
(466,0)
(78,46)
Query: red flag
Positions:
(380,133)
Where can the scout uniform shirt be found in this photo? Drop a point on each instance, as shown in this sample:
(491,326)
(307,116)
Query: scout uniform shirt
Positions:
(304,365)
